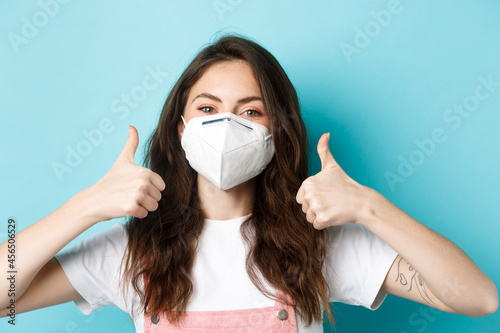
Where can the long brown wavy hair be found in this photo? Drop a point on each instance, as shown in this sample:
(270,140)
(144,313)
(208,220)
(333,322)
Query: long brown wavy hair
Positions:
(285,249)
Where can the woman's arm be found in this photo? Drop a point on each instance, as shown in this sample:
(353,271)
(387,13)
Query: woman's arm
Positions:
(39,242)
(126,190)
(443,276)
(430,269)
(49,287)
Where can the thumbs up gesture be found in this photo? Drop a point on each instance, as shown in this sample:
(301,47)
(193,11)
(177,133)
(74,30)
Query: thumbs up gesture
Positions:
(126,189)
(331,197)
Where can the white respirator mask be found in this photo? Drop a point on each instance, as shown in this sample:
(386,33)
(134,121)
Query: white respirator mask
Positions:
(227,149)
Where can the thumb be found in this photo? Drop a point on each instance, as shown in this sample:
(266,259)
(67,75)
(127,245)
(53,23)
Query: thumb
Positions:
(326,157)
(128,151)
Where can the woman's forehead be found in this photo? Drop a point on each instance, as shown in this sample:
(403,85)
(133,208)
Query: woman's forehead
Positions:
(228,80)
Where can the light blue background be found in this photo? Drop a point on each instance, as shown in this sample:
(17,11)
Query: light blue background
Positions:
(376,102)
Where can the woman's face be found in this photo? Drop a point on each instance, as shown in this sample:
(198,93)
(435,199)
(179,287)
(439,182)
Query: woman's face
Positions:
(228,86)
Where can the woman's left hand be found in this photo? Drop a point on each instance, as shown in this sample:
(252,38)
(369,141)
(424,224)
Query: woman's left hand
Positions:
(331,197)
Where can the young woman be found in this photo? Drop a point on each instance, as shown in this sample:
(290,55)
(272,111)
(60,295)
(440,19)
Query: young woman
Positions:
(227,231)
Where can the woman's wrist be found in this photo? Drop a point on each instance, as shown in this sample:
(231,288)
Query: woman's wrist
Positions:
(81,206)
(373,208)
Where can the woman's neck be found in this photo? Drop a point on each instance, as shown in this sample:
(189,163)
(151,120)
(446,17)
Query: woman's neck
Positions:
(225,205)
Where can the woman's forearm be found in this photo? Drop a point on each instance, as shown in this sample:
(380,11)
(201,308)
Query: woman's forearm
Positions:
(38,243)
(448,272)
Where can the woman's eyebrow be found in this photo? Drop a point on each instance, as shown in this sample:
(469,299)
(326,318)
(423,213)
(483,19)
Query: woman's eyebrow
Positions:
(209,96)
(217,99)
(249,99)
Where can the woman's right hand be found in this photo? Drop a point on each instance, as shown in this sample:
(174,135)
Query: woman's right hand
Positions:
(126,189)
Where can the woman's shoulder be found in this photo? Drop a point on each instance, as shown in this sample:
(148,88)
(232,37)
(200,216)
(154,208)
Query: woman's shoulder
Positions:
(353,248)
(92,266)
(357,263)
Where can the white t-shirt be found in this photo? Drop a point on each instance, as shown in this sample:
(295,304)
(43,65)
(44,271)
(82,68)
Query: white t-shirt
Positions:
(357,266)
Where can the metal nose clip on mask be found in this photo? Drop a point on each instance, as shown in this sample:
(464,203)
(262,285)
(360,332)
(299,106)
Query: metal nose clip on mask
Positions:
(227,149)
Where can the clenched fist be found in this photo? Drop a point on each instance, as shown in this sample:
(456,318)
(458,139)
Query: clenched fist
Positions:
(331,197)
(126,189)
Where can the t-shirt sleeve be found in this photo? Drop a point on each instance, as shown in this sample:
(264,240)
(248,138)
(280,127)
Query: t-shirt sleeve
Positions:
(92,267)
(357,264)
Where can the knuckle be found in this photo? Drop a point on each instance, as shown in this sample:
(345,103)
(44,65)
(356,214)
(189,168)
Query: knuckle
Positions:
(313,204)
(308,196)
(130,210)
(139,196)
(310,216)
(154,206)
(143,186)
(144,172)
(320,218)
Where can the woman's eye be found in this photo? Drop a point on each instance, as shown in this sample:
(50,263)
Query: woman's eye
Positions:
(206,109)
(252,113)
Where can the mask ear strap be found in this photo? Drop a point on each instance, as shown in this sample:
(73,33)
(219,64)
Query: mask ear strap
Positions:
(183,120)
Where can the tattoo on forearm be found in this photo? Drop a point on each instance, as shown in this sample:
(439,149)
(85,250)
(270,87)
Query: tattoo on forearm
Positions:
(408,276)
